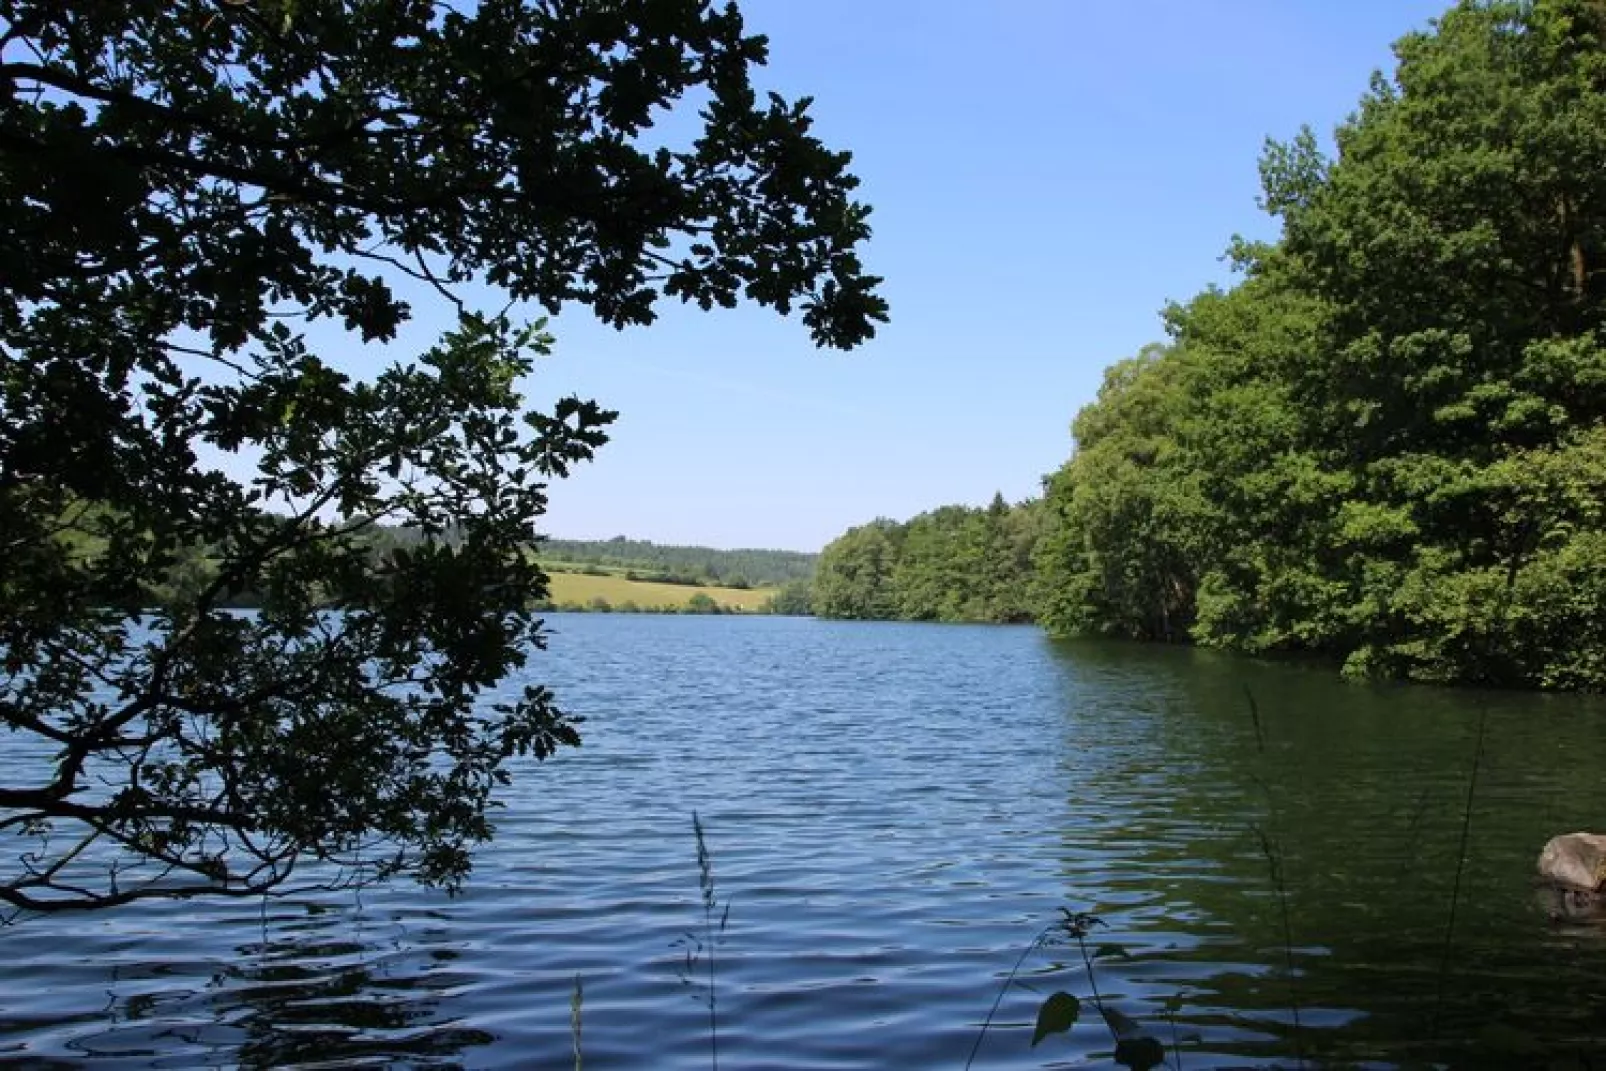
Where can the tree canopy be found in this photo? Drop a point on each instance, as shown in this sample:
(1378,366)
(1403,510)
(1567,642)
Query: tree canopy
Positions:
(1388,444)
(955,563)
(207,211)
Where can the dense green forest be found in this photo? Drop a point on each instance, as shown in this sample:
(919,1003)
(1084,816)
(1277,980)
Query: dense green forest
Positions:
(734,568)
(952,564)
(1387,443)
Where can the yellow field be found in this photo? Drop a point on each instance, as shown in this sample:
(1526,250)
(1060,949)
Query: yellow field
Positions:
(578,587)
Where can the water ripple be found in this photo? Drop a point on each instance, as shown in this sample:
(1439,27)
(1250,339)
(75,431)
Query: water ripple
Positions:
(895,813)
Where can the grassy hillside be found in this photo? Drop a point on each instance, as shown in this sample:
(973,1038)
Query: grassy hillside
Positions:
(759,568)
(581,588)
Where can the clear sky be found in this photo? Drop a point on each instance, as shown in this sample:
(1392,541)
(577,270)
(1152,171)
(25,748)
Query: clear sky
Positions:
(1046,175)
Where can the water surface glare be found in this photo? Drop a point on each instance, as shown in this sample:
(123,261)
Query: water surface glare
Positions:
(894,812)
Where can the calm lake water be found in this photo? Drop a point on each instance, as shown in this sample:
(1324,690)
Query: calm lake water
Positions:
(894,812)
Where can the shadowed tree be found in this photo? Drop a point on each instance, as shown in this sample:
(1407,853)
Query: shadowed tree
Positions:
(206,210)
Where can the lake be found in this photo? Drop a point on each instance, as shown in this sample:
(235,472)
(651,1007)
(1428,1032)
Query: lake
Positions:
(893,813)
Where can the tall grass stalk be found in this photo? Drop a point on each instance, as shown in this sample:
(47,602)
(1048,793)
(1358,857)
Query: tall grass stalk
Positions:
(713,934)
(576,1002)
(1271,850)
(1037,942)
(1077,927)
(1460,870)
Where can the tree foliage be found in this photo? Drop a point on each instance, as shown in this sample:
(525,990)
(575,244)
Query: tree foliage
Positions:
(794,599)
(1389,443)
(208,210)
(955,563)
(854,577)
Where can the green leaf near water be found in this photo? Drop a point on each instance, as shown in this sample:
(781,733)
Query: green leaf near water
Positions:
(1057,1015)
(1122,1026)
(1133,1047)
(1139,1053)
(1111,952)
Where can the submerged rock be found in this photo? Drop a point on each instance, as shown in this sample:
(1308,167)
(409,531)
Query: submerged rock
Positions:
(1576,860)
(1562,905)
(1572,871)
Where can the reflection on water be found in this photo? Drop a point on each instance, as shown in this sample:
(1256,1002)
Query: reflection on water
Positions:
(1361,792)
(302,996)
(894,812)
(318,982)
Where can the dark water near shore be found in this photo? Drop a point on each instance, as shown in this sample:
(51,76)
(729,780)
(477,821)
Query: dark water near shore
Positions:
(894,812)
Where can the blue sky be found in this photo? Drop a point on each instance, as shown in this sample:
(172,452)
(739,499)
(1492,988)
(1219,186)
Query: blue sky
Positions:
(1046,175)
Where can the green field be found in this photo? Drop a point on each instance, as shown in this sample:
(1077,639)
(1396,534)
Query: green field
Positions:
(582,588)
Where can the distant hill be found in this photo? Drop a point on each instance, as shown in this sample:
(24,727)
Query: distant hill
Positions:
(755,568)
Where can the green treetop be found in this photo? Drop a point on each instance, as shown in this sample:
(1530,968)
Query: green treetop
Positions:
(1387,445)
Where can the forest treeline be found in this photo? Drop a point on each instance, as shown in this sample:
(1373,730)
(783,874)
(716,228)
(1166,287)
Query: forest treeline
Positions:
(1387,444)
(678,564)
(789,572)
(952,564)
